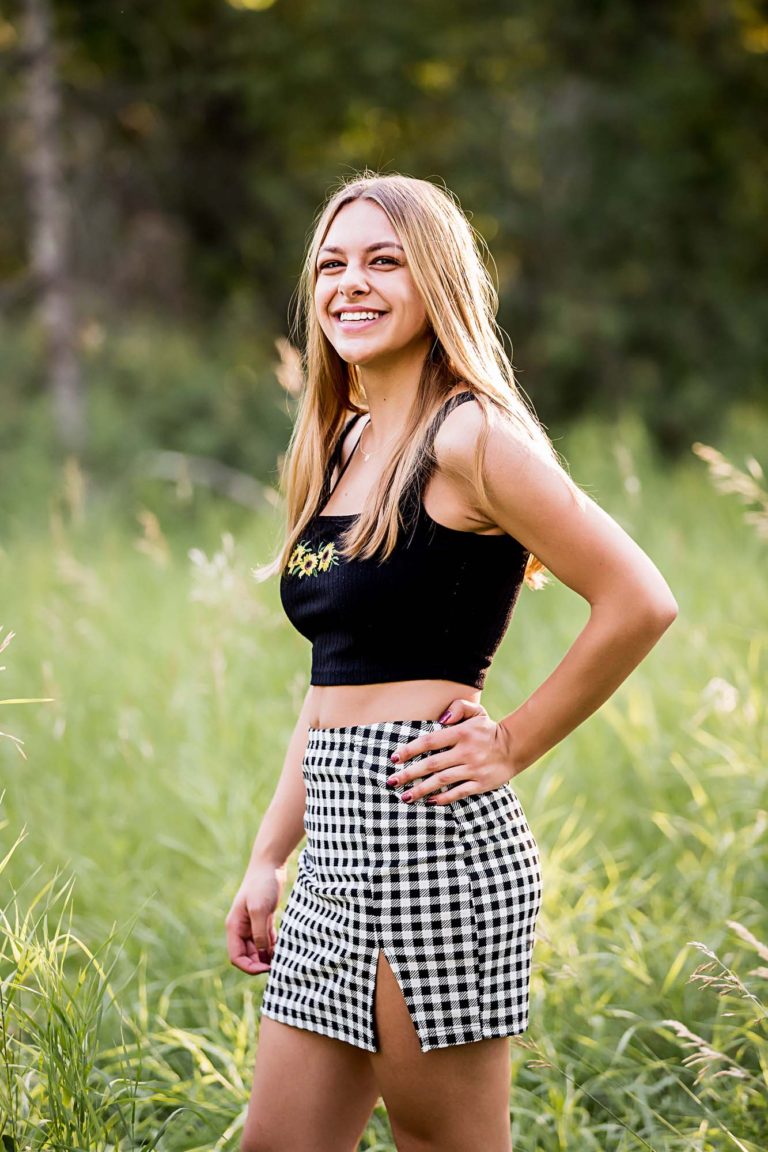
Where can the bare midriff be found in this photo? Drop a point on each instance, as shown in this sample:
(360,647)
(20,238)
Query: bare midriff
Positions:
(342,705)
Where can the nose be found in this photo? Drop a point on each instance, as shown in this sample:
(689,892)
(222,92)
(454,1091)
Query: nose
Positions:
(352,281)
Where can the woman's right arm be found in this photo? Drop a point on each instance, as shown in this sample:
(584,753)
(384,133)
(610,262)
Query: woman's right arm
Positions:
(251,934)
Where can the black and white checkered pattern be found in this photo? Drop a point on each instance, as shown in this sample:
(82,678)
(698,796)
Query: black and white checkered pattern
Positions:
(449,892)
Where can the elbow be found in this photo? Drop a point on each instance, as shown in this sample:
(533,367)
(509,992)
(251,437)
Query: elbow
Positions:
(660,610)
(643,611)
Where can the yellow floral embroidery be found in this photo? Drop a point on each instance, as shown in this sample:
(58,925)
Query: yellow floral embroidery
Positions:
(306,562)
(326,556)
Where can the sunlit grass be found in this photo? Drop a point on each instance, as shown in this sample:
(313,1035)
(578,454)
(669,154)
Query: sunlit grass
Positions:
(174,682)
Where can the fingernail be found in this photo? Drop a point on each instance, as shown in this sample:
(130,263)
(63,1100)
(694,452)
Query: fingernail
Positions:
(407,797)
(445,716)
(395,757)
(263,956)
(392,780)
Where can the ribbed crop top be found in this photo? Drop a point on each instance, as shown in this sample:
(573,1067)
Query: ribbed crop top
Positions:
(436,609)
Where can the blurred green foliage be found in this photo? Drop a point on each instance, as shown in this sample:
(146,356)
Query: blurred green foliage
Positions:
(151,386)
(611,153)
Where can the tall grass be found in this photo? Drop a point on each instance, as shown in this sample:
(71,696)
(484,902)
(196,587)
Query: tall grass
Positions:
(174,683)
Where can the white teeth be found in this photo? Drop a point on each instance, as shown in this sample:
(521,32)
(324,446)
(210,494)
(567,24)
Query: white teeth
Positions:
(358,315)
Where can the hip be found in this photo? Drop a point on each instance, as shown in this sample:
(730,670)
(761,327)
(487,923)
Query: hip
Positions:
(354,819)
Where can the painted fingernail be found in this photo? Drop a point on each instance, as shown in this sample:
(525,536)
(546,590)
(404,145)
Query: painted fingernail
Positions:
(395,757)
(407,797)
(445,716)
(431,800)
(392,780)
(263,956)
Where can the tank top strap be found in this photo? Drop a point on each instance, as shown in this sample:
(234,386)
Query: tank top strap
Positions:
(443,411)
(348,460)
(412,494)
(334,459)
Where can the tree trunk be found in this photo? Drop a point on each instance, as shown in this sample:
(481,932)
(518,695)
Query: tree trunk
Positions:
(49,223)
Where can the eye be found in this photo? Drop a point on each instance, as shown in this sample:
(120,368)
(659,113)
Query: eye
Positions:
(387,260)
(328,264)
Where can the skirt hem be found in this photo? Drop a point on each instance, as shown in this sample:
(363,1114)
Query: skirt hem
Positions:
(311,1026)
(429,1046)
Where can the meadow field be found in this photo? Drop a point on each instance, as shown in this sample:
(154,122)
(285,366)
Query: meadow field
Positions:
(172,683)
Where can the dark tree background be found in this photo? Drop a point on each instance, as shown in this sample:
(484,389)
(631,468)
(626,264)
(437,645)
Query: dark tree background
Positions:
(613,153)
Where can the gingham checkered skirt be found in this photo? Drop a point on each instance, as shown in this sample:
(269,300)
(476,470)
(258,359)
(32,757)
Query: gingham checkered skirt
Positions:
(449,892)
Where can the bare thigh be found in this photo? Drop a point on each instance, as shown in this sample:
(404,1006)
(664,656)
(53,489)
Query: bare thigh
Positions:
(445,1100)
(310,1092)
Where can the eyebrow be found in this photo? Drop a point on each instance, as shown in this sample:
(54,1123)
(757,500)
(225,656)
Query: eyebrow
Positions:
(370,248)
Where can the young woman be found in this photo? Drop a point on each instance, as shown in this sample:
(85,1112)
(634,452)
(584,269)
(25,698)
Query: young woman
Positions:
(421,492)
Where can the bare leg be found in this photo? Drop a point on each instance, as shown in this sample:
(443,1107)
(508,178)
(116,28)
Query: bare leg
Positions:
(445,1100)
(311,1093)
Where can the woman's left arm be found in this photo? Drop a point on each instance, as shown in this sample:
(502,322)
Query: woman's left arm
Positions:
(631,605)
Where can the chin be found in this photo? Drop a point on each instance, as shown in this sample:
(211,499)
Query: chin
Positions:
(358,359)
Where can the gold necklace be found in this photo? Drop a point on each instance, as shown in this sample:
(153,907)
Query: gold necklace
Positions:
(367,455)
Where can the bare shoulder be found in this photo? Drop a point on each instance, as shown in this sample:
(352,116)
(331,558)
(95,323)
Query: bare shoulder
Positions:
(457,444)
(531,497)
(520,473)
(507,445)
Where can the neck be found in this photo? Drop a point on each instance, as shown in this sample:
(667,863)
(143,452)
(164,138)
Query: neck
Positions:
(390,389)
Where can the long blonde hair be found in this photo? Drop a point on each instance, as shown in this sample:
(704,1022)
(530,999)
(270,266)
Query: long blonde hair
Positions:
(445,258)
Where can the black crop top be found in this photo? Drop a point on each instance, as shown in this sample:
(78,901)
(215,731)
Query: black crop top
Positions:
(436,609)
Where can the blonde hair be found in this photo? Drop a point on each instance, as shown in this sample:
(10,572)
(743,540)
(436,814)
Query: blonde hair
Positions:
(446,260)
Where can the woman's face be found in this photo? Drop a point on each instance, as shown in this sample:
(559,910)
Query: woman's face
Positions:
(366,301)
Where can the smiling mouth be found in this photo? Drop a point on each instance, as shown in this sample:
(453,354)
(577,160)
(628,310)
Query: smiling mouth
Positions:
(357,319)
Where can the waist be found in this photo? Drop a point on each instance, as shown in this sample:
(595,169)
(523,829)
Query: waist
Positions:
(341,705)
